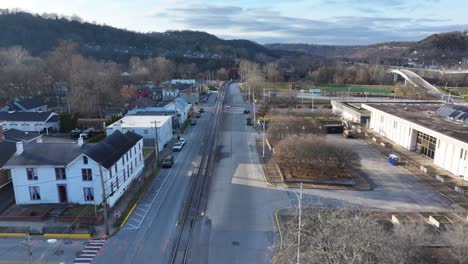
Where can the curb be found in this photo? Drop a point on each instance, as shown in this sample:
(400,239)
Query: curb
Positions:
(280,248)
(69,236)
(128,215)
(12,235)
(58,236)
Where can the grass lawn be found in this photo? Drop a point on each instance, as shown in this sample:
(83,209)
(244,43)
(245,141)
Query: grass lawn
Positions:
(147,151)
(81,210)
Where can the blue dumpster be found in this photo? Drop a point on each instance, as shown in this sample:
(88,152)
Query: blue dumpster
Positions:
(393,159)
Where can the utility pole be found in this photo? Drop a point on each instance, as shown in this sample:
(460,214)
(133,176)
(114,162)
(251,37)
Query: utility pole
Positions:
(302,98)
(28,241)
(249,92)
(263,146)
(299,230)
(156,142)
(68,102)
(313,102)
(104,200)
(254,111)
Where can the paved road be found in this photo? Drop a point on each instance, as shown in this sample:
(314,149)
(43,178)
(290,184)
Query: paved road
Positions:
(15,251)
(239,225)
(148,237)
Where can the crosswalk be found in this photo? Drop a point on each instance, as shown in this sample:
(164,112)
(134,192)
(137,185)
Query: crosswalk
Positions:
(89,252)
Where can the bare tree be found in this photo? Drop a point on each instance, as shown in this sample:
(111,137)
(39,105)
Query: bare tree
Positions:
(344,236)
(314,157)
(273,72)
(161,69)
(456,237)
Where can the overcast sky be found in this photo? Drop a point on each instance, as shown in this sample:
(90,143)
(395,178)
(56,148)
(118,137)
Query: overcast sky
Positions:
(342,22)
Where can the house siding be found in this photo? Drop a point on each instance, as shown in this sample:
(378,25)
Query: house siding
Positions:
(47,181)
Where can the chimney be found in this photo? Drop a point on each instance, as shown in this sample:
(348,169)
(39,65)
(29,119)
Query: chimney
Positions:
(117,126)
(39,140)
(19,148)
(80,141)
(2,137)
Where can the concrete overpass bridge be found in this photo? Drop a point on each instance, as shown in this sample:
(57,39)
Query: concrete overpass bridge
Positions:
(417,81)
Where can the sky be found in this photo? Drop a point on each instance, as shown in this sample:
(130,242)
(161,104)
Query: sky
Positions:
(334,22)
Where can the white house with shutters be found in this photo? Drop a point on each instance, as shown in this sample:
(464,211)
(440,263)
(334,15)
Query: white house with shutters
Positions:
(47,173)
(30,121)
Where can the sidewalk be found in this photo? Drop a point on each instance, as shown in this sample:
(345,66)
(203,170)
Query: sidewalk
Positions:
(412,161)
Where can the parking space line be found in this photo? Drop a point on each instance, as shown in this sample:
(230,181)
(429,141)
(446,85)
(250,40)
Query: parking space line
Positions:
(156,193)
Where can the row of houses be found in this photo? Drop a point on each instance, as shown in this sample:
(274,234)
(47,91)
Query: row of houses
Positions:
(79,172)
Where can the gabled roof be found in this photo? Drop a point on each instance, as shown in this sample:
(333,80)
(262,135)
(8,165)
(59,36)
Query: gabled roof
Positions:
(52,154)
(28,116)
(29,104)
(108,151)
(7,148)
(18,135)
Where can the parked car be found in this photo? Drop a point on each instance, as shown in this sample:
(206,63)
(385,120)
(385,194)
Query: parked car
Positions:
(75,133)
(88,133)
(168,162)
(246,111)
(193,123)
(182,141)
(227,107)
(177,147)
(201,110)
(197,115)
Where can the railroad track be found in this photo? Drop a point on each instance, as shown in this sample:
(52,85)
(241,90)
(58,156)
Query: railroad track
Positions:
(195,204)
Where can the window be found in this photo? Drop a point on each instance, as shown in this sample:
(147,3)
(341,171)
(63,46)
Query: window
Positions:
(124,175)
(88,194)
(86,174)
(110,173)
(85,160)
(145,131)
(131,168)
(60,174)
(34,193)
(32,174)
(130,153)
(134,150)
(115,168)
(117,182)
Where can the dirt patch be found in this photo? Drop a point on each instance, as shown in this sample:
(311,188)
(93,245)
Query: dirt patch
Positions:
(27,210)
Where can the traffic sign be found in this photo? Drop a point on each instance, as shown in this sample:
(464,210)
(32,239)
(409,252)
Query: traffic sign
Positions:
(117,213)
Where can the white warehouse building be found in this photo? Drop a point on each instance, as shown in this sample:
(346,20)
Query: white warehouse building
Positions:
(144,125)
(435,130)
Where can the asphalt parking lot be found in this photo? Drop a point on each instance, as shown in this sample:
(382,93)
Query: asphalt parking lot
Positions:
(394,188)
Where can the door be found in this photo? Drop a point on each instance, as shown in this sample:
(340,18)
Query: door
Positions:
(62,192)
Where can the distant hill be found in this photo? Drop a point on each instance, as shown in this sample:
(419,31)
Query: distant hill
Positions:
(40,34)
(439,49)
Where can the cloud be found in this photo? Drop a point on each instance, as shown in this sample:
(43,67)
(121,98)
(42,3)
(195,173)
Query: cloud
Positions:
(266,25)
